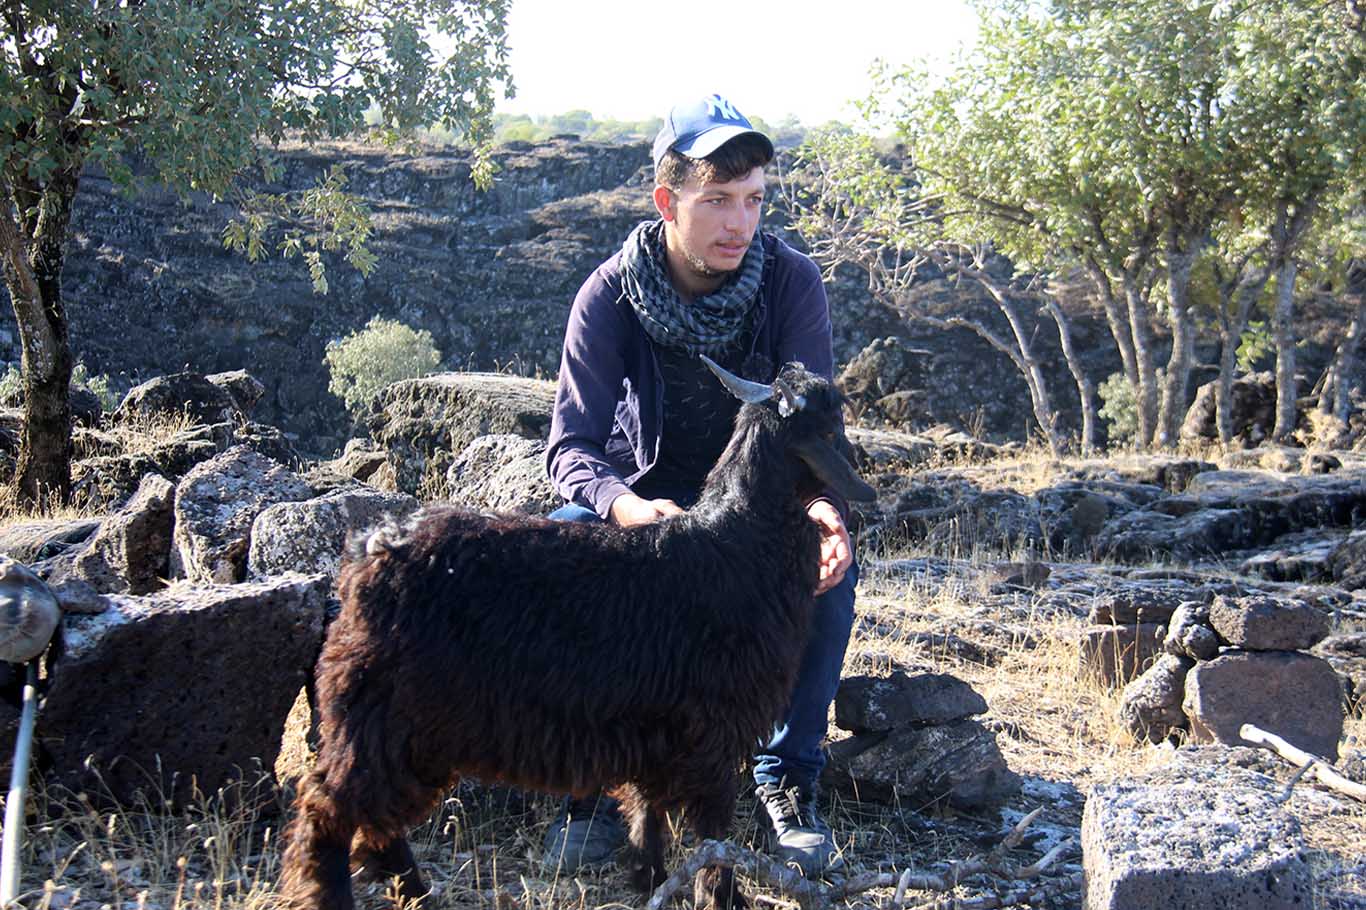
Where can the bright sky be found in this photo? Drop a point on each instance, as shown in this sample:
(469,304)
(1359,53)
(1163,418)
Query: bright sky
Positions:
(632,60)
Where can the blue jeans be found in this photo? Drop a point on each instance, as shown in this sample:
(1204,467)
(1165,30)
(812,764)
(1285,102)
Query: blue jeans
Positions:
(794,757)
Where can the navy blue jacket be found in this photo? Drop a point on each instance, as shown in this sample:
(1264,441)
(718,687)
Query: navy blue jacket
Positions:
(606,426)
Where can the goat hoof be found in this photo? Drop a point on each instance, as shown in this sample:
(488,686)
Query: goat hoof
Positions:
(647,878)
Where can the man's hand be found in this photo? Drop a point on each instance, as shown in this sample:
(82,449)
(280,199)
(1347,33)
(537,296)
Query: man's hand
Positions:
(629,510)
(837,555)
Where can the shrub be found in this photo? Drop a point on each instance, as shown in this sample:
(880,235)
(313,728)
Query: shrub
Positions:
(1119,408)
(382,353)
(12,386)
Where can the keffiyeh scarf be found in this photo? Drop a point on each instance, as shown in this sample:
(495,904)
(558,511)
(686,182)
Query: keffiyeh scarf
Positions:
(707,325)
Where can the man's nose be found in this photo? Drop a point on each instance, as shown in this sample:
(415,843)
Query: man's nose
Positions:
(735,217)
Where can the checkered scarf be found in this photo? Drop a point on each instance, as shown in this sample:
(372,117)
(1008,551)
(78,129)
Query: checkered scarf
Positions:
(710,323)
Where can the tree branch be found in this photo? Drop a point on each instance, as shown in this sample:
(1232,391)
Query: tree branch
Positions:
(1296,756)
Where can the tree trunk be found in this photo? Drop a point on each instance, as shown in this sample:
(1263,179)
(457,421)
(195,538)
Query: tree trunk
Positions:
(1146,395)
(1086,390)
(1235,313)
(1115,318)
(33,251)
(1025,360)
(1177,382)
(1335,397)
(1284,331)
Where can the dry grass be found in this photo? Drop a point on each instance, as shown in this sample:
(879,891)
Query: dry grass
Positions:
(144,434)
(49,510)
(481,847)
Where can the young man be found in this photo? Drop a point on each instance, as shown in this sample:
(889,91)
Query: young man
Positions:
(639,420)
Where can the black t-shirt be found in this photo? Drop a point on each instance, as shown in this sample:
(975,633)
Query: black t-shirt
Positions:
(699,414)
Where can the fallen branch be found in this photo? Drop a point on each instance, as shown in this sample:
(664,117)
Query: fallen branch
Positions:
(1307,762)
(811,894)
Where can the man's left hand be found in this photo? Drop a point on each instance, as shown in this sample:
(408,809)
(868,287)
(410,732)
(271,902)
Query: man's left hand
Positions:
(837,554)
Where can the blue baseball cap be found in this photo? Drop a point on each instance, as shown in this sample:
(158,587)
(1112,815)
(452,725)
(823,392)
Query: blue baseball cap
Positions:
(698,128)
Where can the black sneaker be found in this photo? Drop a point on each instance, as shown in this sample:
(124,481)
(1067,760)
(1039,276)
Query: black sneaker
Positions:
(586,834)
(800,835)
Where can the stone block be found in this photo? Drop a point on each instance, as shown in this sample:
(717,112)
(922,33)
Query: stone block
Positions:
(311,535)
(1150,707)
(185,688)
(958,762)
(868,704)
(1193,837)
(215,505)
(1268,623)
(1296,696)
(1189,633)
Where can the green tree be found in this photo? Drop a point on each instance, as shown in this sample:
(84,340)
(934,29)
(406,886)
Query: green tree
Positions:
(1129,141)
(383,352)
(193,87)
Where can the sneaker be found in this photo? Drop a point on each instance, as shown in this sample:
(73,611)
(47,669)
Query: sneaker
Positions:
(586,834)
(800,836)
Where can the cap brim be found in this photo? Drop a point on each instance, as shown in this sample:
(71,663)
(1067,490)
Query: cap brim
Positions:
(711,140)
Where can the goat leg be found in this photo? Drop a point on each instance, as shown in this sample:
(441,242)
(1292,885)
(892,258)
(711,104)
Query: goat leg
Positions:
(714,887)
(317,868)
(379,857)
(645,833)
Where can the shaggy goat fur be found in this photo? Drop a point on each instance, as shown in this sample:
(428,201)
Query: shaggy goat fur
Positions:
(570,657)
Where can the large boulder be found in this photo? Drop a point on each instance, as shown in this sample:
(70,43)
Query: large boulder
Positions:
(186,688)
(311,535)
(215,505)
(885,383)
(1253,412)
(1193,835)
(1235,510)
(129,554)
(1296,696)
(866,704)
(120,459)
(958,762)
(423,422)
(502,472)
(244,388)
(32,541)
(186,393)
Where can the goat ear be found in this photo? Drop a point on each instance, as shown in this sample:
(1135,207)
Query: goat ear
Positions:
(831,468)
(743,389)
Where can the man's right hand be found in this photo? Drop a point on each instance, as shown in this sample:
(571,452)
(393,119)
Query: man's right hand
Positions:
(628,510)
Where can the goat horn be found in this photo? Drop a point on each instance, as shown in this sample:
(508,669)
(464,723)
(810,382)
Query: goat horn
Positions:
(743,389)
(792,402)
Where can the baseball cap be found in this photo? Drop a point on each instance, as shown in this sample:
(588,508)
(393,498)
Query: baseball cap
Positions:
(698,128)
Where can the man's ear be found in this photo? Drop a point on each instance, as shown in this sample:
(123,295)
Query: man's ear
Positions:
(665,203)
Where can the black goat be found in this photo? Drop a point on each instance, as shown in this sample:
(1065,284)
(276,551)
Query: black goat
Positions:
(571,657)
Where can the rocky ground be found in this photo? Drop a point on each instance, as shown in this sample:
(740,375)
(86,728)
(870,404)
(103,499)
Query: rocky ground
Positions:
(1008,605)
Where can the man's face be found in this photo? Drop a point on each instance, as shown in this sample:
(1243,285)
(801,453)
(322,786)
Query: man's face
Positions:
(711,224)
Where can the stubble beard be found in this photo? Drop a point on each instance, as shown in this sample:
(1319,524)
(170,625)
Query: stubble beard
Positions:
(700,267)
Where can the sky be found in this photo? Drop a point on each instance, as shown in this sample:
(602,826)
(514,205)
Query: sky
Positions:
(633,60)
